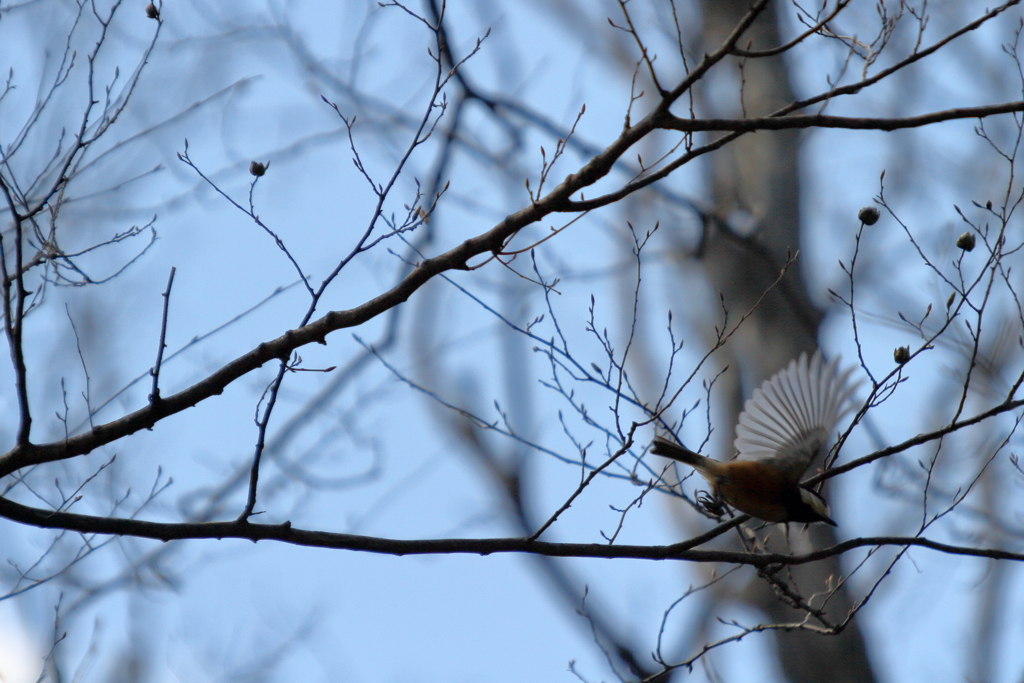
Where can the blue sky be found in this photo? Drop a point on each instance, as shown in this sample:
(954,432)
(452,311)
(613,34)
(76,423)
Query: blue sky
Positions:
(382,459)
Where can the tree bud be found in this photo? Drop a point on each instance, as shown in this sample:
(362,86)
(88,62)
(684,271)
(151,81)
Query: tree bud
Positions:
(868,215)
(901,355)
(966,241)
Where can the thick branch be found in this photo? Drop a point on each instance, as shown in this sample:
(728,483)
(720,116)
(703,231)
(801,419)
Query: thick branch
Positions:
(145,418)
(285,533)
(918,440)
(846,122)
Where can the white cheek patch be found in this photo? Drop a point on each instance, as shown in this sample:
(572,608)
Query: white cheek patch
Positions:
(816,502)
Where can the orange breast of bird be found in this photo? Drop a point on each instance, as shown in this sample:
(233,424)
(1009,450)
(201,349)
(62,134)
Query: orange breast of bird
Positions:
(755,488)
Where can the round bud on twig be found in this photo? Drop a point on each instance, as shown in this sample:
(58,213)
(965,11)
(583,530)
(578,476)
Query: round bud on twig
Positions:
(966,241)
(868,215)
(152,12)
(901,354)
(258,168)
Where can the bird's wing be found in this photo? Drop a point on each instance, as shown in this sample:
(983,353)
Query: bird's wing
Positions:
(790,416)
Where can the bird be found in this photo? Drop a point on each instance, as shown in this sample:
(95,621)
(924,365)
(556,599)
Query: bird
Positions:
(782,427)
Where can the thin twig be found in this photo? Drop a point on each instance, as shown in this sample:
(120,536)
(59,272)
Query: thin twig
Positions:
(154,396)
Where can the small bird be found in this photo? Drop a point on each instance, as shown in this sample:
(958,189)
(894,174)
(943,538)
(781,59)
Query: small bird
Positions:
(781,429)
